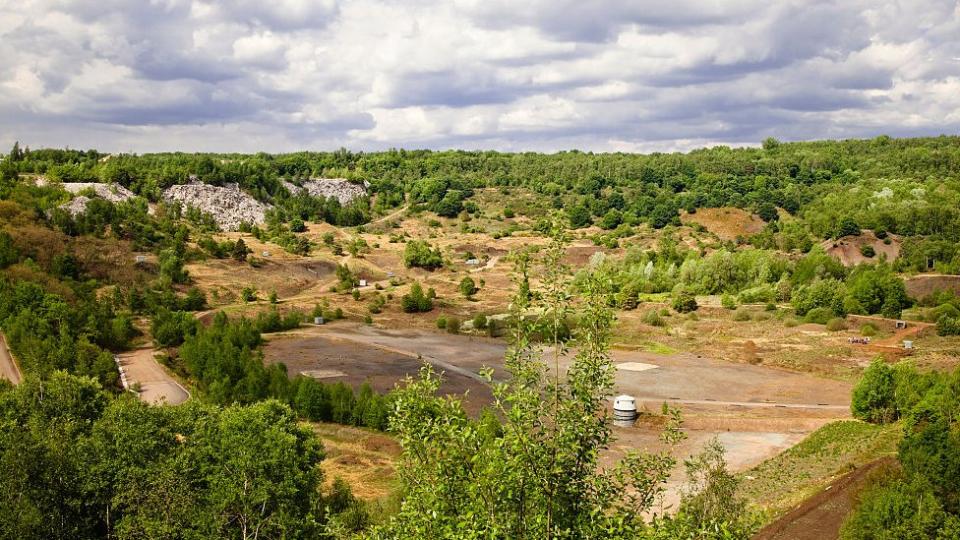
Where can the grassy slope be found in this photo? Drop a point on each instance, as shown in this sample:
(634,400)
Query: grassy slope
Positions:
(833,450)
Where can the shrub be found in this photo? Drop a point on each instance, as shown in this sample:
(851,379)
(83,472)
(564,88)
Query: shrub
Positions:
(367,319)
(874,396)
(684,302)
(420,254)
(868,330)
(467,287)
(867,251)
(249,294)
(453,325)
(653,318)
(441,322)
(741,315)
(728,301)
(819,315)
(791,322)
(836,324)
(948,326)
(415,301)
(480,322)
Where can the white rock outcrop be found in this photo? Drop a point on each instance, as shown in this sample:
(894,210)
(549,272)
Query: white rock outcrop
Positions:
(114,193)
(228,205)
(339,188)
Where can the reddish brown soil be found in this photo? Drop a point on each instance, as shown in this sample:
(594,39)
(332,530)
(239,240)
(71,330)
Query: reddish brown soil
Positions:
(924,284)
(821,516)
(847,249)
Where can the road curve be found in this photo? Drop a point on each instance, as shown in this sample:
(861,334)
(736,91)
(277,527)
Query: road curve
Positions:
(9,369)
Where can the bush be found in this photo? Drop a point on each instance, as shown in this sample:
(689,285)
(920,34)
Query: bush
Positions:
(836,324)
(791,322)
(868,330)
(441,322)
(874,396)
(728,301)
(420,254)
(948,326)
(867,251)
(684,302)
(249,294)
(453,325)
(467,287)
(416,301)
(480,322)
(819,315)
(653,318)
(741,315)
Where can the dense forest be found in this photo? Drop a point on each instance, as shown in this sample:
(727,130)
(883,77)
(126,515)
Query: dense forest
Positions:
(79,458)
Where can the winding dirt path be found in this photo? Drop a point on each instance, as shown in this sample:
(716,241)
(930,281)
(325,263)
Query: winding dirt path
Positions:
(139,367)
(8,366)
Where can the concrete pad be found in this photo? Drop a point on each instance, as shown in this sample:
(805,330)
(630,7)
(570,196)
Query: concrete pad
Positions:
(636,366)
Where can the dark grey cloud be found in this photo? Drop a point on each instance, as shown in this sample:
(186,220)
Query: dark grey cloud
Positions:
(542,74)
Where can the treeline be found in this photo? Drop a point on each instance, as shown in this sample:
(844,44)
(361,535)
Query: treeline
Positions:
(922,500)
(900,186)
(78,464)
(225,361)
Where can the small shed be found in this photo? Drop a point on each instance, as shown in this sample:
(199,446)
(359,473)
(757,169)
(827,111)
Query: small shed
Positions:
(907,344)
(363,283)
(318,321)
(901,325)
(473,262)
(266,253)
(140,259)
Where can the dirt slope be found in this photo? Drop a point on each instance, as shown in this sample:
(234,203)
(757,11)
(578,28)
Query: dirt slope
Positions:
(821,516)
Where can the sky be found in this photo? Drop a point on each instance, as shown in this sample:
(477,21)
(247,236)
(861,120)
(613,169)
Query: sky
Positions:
(514,75)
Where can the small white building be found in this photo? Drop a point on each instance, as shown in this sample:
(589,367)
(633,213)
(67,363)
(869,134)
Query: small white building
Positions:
(363,283)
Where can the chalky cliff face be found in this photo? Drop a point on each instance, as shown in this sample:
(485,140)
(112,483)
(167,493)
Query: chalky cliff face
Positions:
(229,205)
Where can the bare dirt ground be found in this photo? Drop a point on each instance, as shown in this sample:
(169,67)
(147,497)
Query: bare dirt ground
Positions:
(821,516)
(156,385)
(923,284)
(9,369)
(847,249)
(727,223)
(755,411)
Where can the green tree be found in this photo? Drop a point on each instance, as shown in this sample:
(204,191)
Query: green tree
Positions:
(874,396)
(418,253)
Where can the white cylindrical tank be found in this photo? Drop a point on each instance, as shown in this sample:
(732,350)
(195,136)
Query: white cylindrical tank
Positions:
(624,409)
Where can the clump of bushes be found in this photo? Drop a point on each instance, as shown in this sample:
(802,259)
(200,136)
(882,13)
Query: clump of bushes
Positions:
(868,330)
(653,318)
(684,302)
(480,322)
(420,254)
(453,325)
(948,326)
(741,315)
(416,301)
(836,324)
(819,315)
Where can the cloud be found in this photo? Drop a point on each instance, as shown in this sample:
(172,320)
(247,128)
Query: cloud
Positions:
(248,75)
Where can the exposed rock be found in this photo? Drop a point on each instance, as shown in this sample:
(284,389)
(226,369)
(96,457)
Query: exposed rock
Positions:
(76,206)
(114,193)
(228,205)
(339,188)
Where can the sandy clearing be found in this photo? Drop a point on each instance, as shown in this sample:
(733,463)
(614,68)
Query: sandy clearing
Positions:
(156,385)
(9,369)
